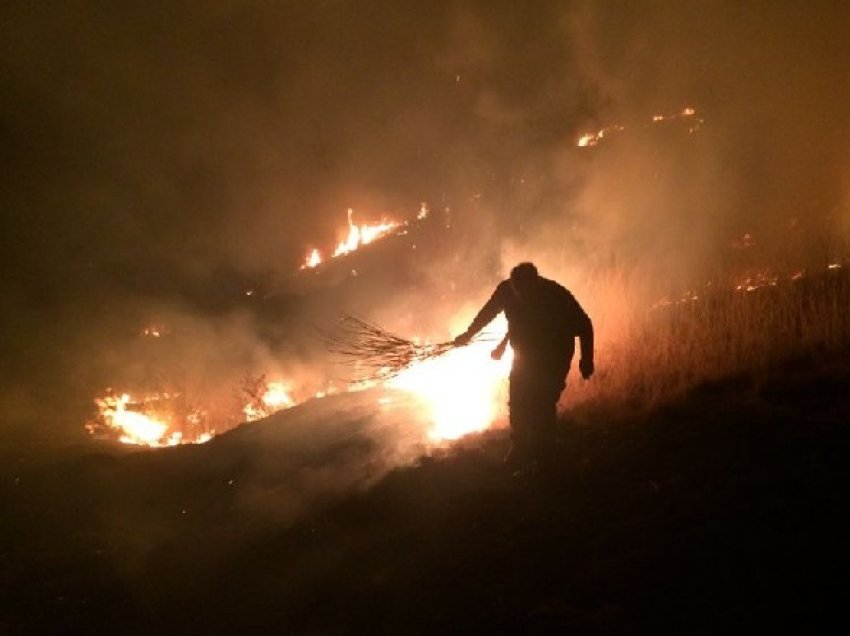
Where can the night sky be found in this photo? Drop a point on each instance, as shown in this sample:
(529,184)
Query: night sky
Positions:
(152,149)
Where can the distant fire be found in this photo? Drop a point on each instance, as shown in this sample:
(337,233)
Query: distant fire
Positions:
(154,331)
(593,138)
(356,236)
(154,420)
(362,235)
(314,259)
(689,114)
(272,397)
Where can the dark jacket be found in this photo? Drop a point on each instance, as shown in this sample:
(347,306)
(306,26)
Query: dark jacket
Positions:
(543,324)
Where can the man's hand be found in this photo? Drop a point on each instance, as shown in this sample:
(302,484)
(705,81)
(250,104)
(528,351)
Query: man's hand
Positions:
(586,368)
(463,339)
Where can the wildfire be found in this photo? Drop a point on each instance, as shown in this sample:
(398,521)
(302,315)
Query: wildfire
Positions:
(357,236)
(593,138)
(461,391)
(362,235)
(155,421)
(274,398)
(314,259)
(689,113)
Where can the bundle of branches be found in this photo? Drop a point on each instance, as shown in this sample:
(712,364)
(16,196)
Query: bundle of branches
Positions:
(378,354)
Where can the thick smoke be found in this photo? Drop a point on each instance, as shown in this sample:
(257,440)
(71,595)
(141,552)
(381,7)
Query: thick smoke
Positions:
(162,160)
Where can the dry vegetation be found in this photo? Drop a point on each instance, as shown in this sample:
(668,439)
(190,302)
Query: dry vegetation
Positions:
(648,353)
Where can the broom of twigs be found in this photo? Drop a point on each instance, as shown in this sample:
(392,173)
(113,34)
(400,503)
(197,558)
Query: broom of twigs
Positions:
(378,354)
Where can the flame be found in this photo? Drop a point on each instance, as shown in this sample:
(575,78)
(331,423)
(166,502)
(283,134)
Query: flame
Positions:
(460,391)
(148,422)
(314,259)
(363,235)
(358,236)
(591,139)
(276,397)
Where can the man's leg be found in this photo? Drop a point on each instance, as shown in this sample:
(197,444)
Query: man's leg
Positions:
(546,393)
(521,405)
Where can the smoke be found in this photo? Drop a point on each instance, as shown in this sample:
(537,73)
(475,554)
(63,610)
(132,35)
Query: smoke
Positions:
(163,160)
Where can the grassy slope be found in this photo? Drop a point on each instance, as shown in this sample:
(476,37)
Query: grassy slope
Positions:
(726,508)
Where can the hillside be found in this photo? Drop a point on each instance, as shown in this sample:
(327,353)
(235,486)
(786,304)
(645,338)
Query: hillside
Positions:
(723,509)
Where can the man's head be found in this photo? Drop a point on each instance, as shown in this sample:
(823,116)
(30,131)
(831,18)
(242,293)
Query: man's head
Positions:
(524,278)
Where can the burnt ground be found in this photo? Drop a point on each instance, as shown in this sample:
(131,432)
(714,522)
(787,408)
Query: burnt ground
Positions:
(726,509)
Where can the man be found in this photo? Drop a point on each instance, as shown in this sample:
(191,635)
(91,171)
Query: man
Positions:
(544,320)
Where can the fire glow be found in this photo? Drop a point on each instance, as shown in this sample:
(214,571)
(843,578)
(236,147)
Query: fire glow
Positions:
(462,392)
(689,114)
(276,397)
(356,237)
(152,421)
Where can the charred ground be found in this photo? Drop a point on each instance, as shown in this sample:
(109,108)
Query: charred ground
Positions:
(724,508)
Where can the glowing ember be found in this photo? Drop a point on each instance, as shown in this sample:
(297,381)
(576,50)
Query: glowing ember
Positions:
(274,398)
(362,235)
(154,331)
(591,139)
(314,259)
(757,281)
(687,297)
(153,421)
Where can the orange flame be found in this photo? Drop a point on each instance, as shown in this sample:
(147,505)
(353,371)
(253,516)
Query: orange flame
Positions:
(314,259)
(363,235)
(275,398)
(461,392)
(149,422)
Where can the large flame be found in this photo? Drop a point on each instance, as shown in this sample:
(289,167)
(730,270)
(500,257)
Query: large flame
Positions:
(362,235)
(356,236)
(462,391)
(314,259)
(276,397)
(151,421)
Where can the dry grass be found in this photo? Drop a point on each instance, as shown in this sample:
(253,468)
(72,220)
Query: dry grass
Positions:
(649,353)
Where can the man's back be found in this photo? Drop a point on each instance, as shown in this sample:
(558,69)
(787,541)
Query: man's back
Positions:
(547,318)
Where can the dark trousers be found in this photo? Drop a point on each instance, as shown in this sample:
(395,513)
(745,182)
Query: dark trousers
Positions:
(536,384)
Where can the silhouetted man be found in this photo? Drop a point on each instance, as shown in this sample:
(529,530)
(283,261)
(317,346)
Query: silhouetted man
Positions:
(544,320)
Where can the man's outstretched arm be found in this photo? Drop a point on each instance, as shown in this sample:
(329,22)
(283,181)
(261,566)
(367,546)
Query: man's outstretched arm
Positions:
(489,311)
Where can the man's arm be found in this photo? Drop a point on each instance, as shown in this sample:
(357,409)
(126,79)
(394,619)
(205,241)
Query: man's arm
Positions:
(489,311)
(585,336)
(581,325)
